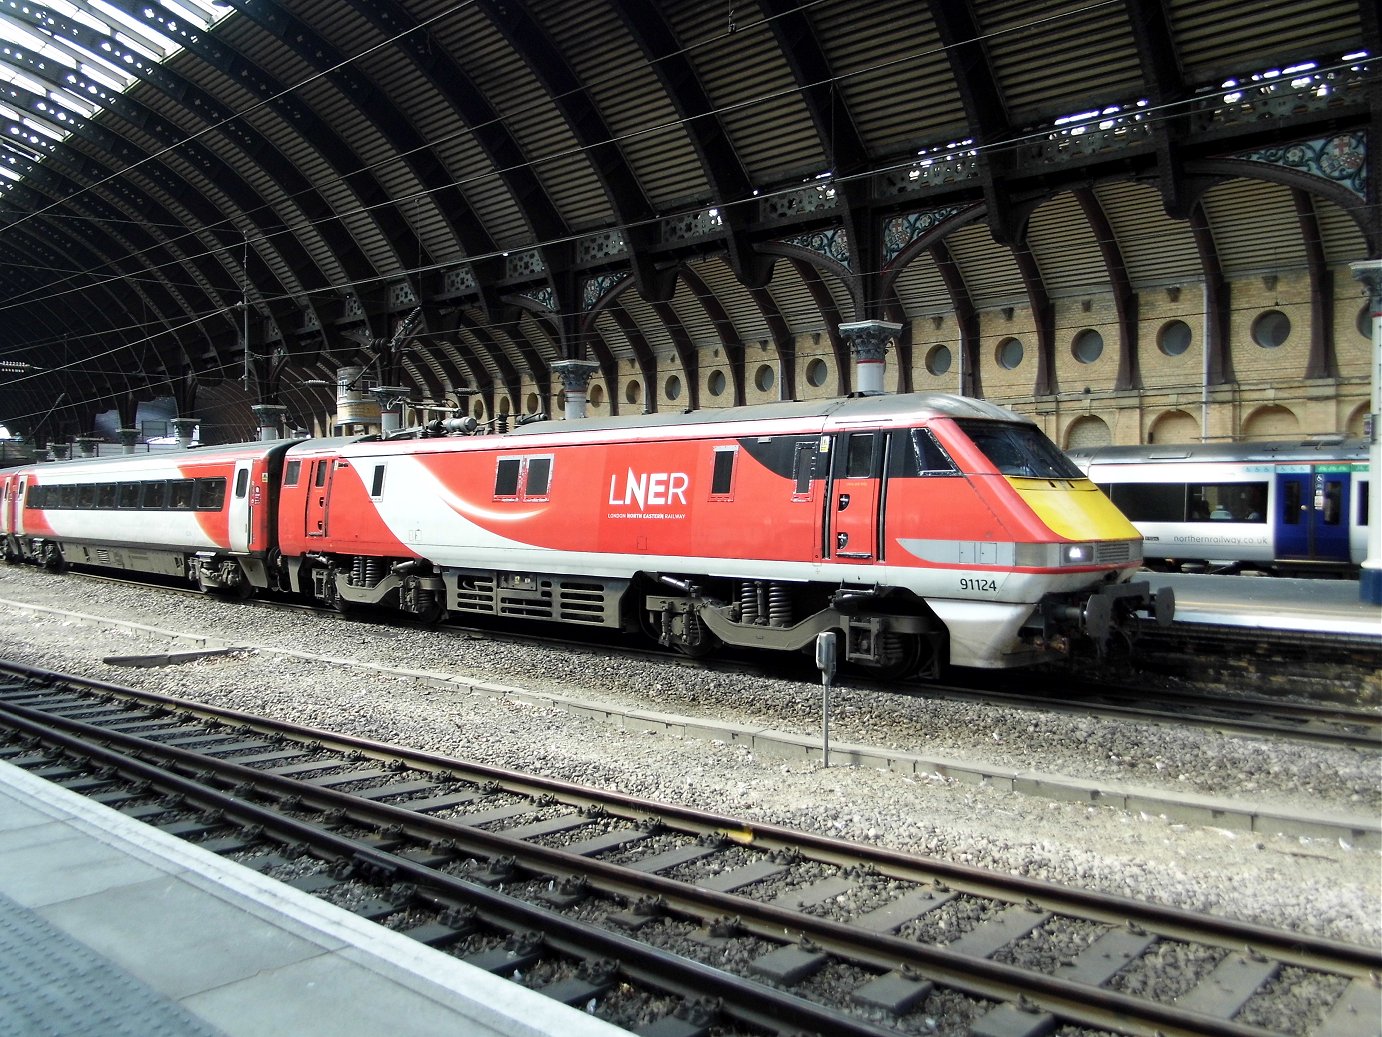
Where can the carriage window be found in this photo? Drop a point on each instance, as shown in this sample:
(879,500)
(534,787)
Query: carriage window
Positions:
(1228,502)
(290,474)
(539,477)
(86,495)
(506,477)
(322,468)
(180,494)
(128,496)
(211,493)
(803,467)
(33,498)
(154,495)
(859,460)
(377,484)
(242,481)
(722,481)
(1149,502)
(70,494)
(105,495)
(1360,490)
(1290,504)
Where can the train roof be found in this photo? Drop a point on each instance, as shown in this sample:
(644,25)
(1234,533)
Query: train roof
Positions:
(837,410)
(171,455)
(1325,448)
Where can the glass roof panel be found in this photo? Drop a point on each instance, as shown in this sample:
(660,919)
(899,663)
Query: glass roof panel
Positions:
(48,80)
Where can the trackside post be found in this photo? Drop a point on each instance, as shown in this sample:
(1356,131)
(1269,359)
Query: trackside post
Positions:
(825,662)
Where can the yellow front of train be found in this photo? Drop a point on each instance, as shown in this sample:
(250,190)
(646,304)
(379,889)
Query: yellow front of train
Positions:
(1074,545)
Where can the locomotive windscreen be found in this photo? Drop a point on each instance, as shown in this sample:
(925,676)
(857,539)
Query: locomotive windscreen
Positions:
(1020,450)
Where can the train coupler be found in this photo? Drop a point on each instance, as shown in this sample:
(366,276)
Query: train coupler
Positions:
(1105,612)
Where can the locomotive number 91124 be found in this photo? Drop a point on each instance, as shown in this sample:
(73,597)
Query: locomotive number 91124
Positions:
(978,584)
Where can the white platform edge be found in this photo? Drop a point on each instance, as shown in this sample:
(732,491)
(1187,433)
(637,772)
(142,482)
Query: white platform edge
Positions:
(473,994)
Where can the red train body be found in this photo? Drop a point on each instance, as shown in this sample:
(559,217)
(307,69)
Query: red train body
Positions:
(924,529)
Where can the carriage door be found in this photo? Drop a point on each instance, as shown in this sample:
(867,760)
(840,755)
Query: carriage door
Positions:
(317,492)
(16,505)
(244,496)
(853,504)
(1312,512)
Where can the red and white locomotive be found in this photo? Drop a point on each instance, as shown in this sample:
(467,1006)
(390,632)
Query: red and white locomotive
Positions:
(926,529)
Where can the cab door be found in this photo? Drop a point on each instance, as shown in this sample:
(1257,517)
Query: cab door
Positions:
(1312,504)
(852,507)
(318,492)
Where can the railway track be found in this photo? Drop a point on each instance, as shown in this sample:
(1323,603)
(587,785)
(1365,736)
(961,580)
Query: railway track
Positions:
(667,920)
(1115,695)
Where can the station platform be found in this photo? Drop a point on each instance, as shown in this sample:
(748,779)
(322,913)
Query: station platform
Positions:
(1271,603)
(111,928)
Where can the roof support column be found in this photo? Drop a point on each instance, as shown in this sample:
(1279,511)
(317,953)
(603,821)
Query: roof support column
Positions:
(1370,578)
(868,342)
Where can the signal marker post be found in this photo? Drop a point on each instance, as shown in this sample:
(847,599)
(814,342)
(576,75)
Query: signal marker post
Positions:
(825,662)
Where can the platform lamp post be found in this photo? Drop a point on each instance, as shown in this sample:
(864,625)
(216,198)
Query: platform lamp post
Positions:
(1370,578)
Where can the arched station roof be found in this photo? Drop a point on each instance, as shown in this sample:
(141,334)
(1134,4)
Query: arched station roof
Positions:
(459,194)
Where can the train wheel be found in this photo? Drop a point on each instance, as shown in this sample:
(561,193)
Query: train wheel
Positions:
(53,560)
(899,655)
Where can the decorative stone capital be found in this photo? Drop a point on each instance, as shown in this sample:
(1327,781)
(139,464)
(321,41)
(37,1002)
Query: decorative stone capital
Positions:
(575,378)
(868,341)
(184,429)
(270,417)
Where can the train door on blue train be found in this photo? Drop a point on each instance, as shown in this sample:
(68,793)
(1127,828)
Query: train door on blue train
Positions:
(852,510)
(1312,503)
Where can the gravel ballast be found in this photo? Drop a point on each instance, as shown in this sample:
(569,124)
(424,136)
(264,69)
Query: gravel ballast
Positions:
(1323,887)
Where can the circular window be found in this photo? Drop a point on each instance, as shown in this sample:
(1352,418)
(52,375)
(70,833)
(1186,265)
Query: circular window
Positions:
(478,410)
(672,387)
(716,383)
(938,360)
(633,391)
(816,371)
(1088,346)
(1174,337)
(763,378)
(530,404)
(1271,329)
(504,405)
(1009,353)
(1365,322)
(597,395)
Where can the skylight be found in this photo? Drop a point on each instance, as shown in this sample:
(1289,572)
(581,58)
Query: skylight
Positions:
(58,59)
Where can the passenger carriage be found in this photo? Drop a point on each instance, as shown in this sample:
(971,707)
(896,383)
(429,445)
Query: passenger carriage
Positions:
(205,514)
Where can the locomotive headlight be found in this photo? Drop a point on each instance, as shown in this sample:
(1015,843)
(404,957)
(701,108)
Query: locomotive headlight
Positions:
(1076,554)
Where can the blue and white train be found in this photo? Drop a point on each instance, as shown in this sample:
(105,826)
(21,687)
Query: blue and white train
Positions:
(1285,508)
